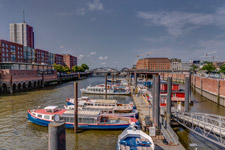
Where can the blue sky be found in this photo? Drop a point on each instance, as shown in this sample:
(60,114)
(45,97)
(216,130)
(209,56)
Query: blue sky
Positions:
(113,32)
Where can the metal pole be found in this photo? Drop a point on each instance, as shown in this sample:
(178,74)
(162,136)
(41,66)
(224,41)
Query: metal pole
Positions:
(157,101)
(105,85)
(56,136)
(186,104)
(75,107)
(169,91)
(153,99)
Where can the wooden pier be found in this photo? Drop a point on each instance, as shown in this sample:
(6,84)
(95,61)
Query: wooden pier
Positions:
(145,118)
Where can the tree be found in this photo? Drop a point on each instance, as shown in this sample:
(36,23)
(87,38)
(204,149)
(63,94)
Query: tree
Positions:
(58,68)
(85,67)
(66,69)
(75,69)
(209,67)
(193,68)
(81,69)
(222,69)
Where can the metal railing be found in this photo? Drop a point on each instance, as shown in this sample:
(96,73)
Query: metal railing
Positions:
(209,126)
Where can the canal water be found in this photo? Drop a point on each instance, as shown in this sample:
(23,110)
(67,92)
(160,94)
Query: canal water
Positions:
(17,133)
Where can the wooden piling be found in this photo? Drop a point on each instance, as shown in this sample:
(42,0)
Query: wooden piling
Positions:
(56,136)
(187,88)
(105,85)
(157,101)
(169,91)
(75,107)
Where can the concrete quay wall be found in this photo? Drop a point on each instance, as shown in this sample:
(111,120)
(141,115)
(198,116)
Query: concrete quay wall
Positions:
(212,89)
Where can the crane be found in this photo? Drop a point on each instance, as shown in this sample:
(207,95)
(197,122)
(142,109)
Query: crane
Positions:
(207,55)
(148,53)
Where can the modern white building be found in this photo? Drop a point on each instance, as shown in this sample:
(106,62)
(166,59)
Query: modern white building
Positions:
(22,33)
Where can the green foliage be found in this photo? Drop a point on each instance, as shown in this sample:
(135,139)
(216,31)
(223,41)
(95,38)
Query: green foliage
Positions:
(81,68)
(222,69)
(66,69)
(85,67)
(209,67)
(75,68)
(193,68)
(58,68)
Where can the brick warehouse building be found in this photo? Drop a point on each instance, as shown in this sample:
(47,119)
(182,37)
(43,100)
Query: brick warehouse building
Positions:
(41,56)
(153,64)
(59,59)
(11,52)
(69,60)
(24,67)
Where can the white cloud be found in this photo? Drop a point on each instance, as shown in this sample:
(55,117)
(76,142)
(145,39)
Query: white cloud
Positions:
(103,57)
(92,53)
(178,23)
(97,5)
(80,56)
(81,11)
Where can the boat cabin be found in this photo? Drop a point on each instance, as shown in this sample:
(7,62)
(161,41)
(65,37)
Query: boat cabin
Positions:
(47,113)
(86,117)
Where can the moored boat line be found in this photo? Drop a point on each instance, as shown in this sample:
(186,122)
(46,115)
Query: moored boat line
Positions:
(111,90)
(86,119)
(108,107)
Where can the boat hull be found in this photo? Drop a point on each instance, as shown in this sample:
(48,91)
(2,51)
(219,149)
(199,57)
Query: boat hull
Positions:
(45,123)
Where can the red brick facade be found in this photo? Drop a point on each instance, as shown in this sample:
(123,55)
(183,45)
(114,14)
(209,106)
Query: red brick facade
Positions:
(69,60)
(41,56)
(11,52)
(153,64)
(59,59)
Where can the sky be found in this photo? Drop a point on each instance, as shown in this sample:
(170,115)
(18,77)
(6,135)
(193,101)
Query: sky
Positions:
(113,32)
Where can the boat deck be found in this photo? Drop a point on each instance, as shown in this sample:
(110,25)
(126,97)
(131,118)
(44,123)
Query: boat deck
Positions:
(134,143)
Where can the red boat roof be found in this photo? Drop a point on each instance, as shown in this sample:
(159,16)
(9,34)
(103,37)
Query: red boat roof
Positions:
(43,111)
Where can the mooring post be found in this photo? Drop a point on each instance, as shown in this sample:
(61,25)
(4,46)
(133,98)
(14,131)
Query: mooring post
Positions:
(75,107)
(113,78)
(56,135)
(157,101)
(42,80)
(146,80)
(135,80)
(218,91)
(105,85)
(186,103)
(153,98)
(169,91)
(190,76)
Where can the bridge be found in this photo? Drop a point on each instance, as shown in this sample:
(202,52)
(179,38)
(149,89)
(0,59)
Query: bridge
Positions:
(102,70)
(208,126)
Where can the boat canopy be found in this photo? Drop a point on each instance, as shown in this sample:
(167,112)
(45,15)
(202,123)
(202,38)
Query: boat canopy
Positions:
(82,113)
(105,101)
(51,109)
